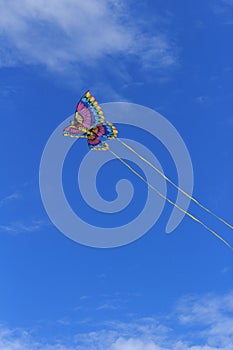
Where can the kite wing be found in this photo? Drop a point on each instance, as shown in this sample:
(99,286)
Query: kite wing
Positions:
(94,139)
(75,131)
(96,144)
(110,132)
(89,123)
(88,112)
(95,134)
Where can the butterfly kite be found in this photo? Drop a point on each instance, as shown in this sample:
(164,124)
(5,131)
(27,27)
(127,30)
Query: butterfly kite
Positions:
(89,123)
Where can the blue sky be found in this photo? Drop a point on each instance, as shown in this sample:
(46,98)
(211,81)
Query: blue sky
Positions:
(162,291)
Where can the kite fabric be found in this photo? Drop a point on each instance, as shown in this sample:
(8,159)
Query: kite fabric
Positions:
(89,123)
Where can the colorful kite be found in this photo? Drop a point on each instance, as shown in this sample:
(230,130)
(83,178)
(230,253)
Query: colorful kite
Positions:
(89,123)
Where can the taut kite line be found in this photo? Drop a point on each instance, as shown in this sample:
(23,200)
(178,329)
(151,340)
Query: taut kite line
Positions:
(89,123)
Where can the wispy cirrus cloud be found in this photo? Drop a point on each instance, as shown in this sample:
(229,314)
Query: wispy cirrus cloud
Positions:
(107,307)
(23,227)
(11,197)
(223,9)
(62,35)
(198,323)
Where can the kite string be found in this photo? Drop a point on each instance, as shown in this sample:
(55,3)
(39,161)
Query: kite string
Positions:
(169,201)
(173,184)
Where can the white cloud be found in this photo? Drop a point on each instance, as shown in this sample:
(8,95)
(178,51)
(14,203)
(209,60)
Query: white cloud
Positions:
(11,197)
(223,9)
(107,307)
(212,314)
(135,344)
(22,227)
(66,33)
(204,323)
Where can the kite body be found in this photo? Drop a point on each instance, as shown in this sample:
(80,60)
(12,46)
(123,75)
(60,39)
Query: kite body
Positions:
(89,123)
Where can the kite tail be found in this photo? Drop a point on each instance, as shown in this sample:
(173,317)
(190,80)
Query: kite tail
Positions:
(177,187)
(171,202)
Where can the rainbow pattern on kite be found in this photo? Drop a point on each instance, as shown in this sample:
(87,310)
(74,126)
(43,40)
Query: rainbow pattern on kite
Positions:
(89,123)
